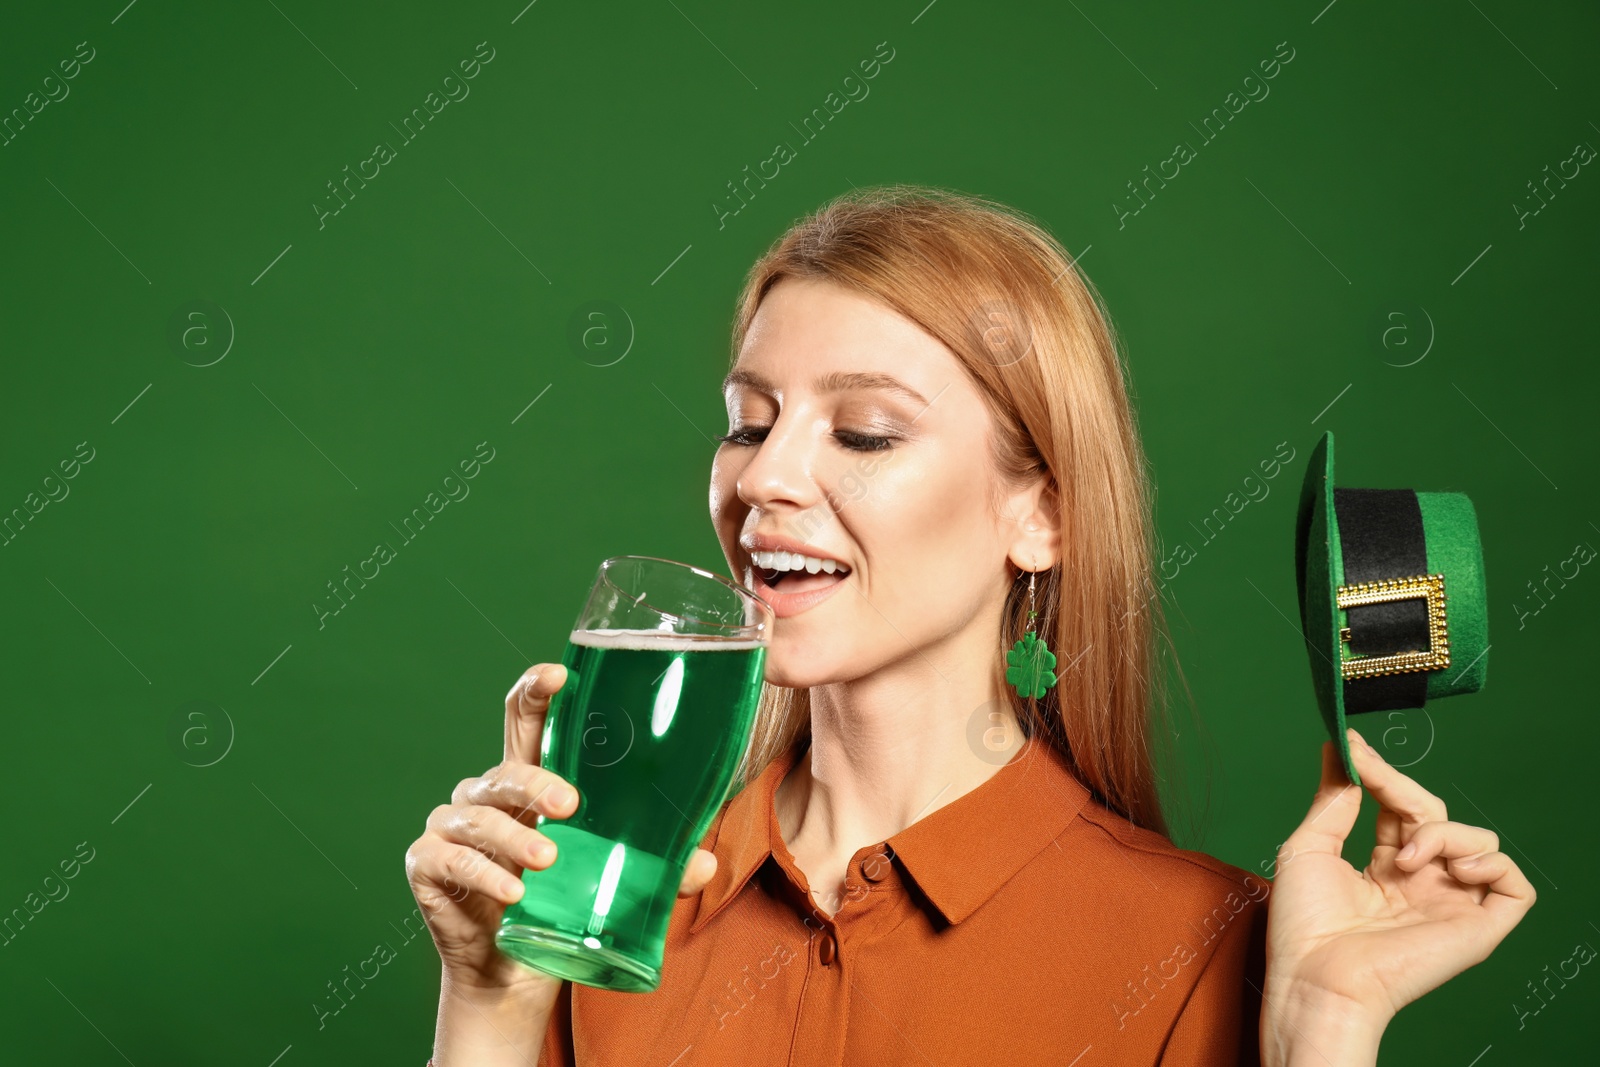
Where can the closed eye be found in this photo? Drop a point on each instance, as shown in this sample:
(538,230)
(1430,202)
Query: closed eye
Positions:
(863,442)
(855,442)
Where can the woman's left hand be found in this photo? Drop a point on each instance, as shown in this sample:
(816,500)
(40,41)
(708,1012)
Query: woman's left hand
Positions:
(1347,948)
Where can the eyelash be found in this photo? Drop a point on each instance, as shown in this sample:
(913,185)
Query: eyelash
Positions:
(874,443)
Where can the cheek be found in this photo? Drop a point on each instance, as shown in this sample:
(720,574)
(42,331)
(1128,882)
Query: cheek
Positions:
(724,477)
(726,509)
(925,527)
(930,498)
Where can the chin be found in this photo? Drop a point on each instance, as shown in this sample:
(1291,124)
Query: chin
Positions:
(792,665)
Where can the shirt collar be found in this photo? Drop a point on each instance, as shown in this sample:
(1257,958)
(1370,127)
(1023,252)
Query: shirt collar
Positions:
(959,856)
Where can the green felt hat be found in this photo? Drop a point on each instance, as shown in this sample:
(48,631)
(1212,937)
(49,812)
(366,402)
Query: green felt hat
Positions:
(1392,600)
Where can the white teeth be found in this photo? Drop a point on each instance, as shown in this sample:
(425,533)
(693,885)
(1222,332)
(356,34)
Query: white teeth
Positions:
(793,561)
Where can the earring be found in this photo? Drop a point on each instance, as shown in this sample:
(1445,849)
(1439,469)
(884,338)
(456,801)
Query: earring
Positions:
(1030,660)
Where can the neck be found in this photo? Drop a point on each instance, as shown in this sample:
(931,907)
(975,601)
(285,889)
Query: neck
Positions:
(893,747)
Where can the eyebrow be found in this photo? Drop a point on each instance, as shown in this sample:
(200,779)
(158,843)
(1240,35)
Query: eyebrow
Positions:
(833,382)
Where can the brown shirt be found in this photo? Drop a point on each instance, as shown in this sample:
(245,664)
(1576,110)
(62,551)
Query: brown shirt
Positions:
(1022,923)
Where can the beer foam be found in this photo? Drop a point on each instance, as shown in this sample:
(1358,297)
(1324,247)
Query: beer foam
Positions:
(660,641)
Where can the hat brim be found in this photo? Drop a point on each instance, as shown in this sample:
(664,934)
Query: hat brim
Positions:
(1319,571)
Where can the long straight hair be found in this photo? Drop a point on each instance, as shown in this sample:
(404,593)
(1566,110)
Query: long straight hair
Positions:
(1000,292)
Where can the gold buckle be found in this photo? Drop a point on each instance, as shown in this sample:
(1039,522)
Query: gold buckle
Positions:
(1429,587)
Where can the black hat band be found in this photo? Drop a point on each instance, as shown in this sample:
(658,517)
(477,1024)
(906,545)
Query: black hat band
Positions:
(1381,537)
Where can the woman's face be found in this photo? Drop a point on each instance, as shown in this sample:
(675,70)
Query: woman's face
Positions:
(830,458)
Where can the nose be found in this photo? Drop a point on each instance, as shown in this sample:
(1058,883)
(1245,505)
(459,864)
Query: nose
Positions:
(780,475)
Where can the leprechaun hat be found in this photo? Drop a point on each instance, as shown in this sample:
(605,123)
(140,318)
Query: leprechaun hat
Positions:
(1392,600)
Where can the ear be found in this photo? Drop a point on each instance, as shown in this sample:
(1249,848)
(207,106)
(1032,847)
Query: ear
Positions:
(1033,525)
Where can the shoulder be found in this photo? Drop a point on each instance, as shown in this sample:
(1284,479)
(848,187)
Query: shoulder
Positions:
(1185,931)
(1142,900)
(1148,867)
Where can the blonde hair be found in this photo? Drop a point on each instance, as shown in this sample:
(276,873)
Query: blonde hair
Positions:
(1003,295)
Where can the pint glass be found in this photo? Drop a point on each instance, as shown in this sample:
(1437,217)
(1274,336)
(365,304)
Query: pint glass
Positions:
(664,670)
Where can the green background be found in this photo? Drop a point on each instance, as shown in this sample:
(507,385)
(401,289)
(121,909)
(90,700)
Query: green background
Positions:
(371,355)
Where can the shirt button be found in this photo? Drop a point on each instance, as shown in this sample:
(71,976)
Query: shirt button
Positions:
(825,950)
(875,868)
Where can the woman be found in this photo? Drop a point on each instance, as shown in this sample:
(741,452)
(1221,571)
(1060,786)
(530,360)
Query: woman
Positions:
(922,865)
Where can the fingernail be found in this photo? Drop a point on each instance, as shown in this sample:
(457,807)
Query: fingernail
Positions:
(1466,861)
(1407,852)
(512,888)
(561,795)
(1362,741)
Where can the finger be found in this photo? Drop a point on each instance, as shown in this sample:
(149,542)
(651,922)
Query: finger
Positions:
(1333,810)
(1510,893)
(1450,840)
(1403,805)
(504,840)
(521,789)
(1491,868)
(1480,870)
(444,867)
(526,706)
(702,866)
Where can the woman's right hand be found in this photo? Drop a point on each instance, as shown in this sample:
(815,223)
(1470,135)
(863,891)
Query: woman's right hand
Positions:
(467,866)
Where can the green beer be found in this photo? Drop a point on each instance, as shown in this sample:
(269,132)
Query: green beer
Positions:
(649,726)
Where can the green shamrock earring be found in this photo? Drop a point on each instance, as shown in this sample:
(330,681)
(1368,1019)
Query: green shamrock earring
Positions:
(1030,660)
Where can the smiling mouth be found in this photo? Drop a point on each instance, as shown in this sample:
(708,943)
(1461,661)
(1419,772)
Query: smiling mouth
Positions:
(798,579)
